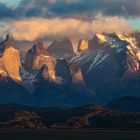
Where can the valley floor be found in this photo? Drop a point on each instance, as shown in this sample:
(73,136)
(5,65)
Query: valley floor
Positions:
(68,135)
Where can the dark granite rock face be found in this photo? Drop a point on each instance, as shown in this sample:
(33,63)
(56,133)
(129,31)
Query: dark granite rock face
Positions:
(61,48)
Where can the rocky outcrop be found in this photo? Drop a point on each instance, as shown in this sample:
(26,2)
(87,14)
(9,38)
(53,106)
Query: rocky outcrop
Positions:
(36,58)
(10,62)
(83,45)
(97,41)
(61,48)
(97,116)
(11,90)
(26,120)
(9,41)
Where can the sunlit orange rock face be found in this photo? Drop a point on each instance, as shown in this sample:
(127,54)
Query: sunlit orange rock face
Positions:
(83,45)
(10,62)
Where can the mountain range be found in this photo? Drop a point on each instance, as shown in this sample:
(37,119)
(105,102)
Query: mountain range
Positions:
(104,68)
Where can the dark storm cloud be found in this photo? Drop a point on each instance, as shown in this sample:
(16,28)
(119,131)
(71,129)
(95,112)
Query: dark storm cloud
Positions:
(6,12)
(71,8)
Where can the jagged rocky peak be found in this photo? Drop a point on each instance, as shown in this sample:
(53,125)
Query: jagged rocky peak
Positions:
(83,45)
(125,43)
(10,62)
(108,70)
(122,46)
(38,66)
(97,40)
(110,40)
(61,48)
(120,38)
(39,49)
(9,36)
(120,42)
(8,42)
(36,57)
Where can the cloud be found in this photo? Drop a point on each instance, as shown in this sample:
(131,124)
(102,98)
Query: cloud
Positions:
(6,12)
(36,28)
(79,9)
(110,24)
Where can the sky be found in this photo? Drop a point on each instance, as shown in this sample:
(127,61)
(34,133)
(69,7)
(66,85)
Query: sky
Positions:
(31,20)
(10,2)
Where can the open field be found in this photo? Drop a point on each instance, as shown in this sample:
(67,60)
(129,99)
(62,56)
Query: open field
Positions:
(67,135)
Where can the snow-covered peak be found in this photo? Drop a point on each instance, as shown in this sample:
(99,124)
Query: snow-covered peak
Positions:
(105,47)
(130,45)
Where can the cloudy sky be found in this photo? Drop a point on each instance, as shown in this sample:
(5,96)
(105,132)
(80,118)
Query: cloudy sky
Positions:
(31,20)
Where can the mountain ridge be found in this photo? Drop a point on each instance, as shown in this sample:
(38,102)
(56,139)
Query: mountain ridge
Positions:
(104,68)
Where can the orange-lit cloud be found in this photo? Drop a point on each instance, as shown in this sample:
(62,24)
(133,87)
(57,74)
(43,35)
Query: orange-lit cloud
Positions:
(34,28)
